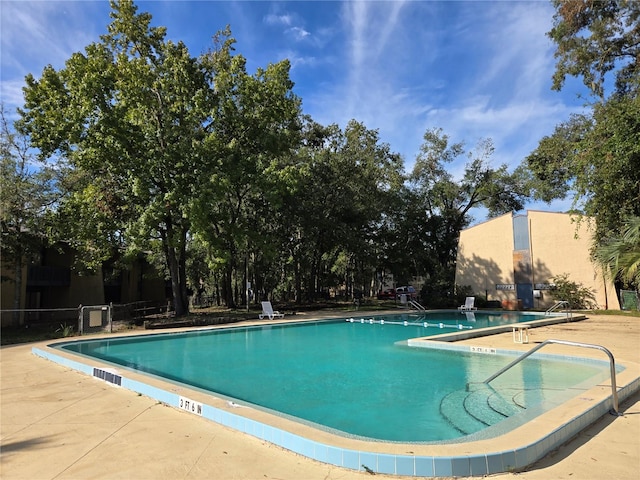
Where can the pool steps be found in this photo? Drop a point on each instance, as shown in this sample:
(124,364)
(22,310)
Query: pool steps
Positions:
(470,411)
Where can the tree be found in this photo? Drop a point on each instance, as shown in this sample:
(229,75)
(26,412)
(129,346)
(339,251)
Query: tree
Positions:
(339,186)
(128,115)
(444,203)
(595,37)
(155,137)
(620,255)
(553,162)
(255,122)
(595,156)
(27,195)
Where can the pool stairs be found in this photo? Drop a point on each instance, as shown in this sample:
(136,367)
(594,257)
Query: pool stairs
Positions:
(481,406)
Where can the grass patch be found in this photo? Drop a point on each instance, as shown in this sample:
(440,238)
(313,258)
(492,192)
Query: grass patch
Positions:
(623,313)
(34,333)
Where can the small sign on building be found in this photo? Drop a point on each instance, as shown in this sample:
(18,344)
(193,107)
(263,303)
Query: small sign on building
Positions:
(506,286)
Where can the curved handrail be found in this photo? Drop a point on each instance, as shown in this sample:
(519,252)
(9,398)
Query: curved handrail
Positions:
(559,304)
(612,365)
(417,306)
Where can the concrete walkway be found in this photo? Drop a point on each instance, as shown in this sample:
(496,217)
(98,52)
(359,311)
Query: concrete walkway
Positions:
(57,423)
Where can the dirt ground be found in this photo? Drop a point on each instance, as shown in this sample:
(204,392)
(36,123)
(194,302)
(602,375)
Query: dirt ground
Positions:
(56,423)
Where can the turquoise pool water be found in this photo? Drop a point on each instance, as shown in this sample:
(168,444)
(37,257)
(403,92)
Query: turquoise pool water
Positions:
(356,378)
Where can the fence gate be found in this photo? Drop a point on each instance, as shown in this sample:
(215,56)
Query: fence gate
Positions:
(629,300)
(94,319)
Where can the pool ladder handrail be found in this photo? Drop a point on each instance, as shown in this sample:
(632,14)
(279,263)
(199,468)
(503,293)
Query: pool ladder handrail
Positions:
(612,365)
(559,304)
(417,306)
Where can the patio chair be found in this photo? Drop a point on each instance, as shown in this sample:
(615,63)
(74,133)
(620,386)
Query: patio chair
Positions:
(267,311)
(468,305)
(471,317)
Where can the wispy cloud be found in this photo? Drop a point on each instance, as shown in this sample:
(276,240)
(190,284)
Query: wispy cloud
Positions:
(36,34)
(51,30)
(12,96)
(467,76)
(298,60)
(368,27)
(273,19)
(298,33)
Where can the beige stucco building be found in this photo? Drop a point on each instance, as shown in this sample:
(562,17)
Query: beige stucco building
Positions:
(515,257)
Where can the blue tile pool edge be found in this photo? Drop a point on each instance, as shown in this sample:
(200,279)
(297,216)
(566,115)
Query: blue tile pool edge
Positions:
(403,465)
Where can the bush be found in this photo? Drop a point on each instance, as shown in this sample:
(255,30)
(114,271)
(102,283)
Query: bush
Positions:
(578,296)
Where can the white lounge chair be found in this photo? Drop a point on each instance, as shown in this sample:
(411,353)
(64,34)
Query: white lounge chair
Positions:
(267,311)
(468,305)
(471,317)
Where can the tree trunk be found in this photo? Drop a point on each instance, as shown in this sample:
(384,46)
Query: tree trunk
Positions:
(175,263)
(182,270)
(227,286)
(176,288)
(17,294)
(298,281)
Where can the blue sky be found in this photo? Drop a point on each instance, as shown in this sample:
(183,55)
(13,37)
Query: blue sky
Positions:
(476,69)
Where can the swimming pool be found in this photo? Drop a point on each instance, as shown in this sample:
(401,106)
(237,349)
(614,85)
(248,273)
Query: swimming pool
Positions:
(356,377)
(518,446)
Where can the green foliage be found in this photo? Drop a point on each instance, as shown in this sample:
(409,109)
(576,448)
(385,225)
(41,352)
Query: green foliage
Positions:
(594,38)
(126,115)
(437,206)
(65,330)
(155,137)
(215,170)
(578,296)
(597,159)
(608,161)
(620,255)
(595,156)
(330,216)
(28,193)
(553,162)
(255,123)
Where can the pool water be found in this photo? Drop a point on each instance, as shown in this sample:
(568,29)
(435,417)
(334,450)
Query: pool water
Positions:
(356,378)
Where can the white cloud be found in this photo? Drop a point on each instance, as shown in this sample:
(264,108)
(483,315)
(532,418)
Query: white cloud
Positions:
(273,19)
(36,34)
(11,94)
(297,60)
(298,33)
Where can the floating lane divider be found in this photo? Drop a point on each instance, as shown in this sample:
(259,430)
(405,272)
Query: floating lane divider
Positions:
(406,323)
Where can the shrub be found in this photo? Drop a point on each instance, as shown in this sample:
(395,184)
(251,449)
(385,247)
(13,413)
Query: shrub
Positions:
(578,296)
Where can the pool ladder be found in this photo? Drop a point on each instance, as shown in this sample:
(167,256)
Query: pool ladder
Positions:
(557,305)
(612,365)
(415,305)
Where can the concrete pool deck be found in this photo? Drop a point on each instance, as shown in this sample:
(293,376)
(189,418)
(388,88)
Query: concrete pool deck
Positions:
(59,423)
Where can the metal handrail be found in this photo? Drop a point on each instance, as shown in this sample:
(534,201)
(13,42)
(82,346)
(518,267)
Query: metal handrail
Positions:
(416,305)
(558,305)
(612,364)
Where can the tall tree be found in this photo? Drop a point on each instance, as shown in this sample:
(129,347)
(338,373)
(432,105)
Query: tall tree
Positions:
(342,181)
(28,193)
(594,157)
(130,115)
(445,202)
(594,38)
(255,122)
